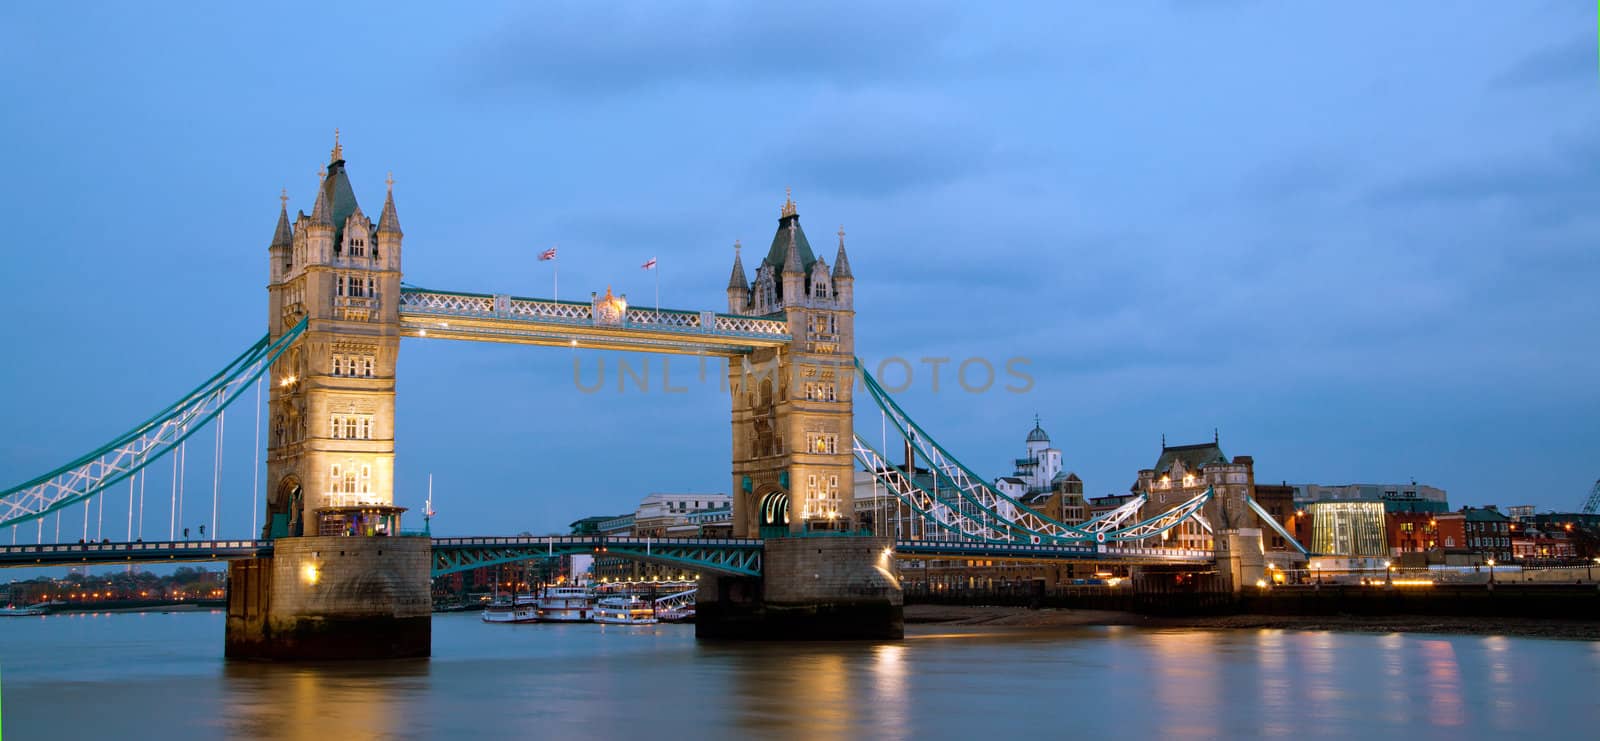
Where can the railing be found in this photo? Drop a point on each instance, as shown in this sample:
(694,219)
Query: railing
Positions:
(442,303)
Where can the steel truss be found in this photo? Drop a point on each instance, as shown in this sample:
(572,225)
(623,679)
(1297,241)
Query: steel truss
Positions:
(730,556)
(931,508)
(1013,521)
(147,442)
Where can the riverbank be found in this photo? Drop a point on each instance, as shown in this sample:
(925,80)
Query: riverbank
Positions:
(1021,617)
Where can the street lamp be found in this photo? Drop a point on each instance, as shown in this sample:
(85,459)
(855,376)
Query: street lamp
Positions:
(1388,573)
(1491,573)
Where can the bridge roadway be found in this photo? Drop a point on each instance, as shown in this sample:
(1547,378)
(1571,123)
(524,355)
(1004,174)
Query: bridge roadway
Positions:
(734,556)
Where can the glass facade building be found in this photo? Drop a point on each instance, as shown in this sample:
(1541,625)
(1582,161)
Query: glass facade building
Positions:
(1354,529)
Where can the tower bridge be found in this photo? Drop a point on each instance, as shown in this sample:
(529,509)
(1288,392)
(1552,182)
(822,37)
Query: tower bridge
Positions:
(331,574)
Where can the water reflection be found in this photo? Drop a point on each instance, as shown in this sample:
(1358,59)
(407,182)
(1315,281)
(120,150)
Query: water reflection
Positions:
(1443,682)
(163,676)
(1184,685)
(314,703)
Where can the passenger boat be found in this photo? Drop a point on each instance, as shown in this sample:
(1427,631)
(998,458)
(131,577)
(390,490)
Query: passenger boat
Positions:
(679,614)
(505,609)
(624,611)
(566,604)
(10,611)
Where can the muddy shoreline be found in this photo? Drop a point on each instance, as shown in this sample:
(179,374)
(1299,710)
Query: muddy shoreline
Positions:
(1021,617)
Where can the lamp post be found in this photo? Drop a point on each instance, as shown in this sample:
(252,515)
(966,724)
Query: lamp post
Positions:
(1491,573)
(1388,573)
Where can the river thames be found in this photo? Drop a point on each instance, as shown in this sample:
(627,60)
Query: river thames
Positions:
(162,675)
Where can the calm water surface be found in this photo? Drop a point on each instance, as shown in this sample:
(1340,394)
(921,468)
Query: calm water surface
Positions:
(162,675)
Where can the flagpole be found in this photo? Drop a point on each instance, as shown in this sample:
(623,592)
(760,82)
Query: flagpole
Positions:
(557,289)
(657,270)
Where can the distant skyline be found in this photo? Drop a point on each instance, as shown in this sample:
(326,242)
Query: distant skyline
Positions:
(1358,241)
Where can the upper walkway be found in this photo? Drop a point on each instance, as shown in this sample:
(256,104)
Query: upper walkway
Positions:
(594,324)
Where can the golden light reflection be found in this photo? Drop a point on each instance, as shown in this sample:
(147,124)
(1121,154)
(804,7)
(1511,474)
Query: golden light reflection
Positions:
(1445,706)
(1184,685)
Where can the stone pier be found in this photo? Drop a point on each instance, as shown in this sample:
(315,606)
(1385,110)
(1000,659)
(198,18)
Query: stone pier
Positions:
(1241,561)
(325,598)
(812,588)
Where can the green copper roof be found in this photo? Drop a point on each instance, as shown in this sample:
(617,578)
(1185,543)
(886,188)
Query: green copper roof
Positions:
(780,245)
(340,197)
(1194,457)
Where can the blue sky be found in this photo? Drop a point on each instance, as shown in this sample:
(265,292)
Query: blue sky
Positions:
(1359,238)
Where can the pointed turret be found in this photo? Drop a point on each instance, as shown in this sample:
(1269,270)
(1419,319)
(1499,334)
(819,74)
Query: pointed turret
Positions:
(282,246)
(841,263)
(389,221)
(738,281)
(791,254)
(320,215)
(738,285)
(284,235)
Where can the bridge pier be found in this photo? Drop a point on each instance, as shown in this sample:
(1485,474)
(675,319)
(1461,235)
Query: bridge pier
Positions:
(325,598)
(1241,561)
(811,588)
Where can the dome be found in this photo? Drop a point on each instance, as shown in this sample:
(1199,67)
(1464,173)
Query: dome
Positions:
(1037,434)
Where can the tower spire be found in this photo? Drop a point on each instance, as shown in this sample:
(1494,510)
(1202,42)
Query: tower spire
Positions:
(283,236)
(841,263)
(737,281)
(788,204)
(338,149)
(389,221)
(791,253)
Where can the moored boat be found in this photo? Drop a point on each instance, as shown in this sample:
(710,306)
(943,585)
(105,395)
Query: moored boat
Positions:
(566,604)
(624,611)
(505,609)
(25,611)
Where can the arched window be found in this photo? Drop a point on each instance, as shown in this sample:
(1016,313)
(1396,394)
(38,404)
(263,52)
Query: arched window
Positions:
(366,480)
(335,479)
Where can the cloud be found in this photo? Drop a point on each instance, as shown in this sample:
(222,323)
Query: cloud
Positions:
(1571,63)
(877,146)
(585,49)
(1553,185)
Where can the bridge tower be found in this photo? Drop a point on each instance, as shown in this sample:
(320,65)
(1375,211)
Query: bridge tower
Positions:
(792,416)
(792,462)
(331,432)
(341,582)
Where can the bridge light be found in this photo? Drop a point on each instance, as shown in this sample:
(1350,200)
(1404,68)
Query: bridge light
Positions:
(310,574)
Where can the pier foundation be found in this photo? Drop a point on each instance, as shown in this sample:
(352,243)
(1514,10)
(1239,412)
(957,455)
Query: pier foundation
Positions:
(1241,561)
(812,588)
(330,598)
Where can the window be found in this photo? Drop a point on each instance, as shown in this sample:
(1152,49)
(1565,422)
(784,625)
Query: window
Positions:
(350,427)
(354,365)
(825,443)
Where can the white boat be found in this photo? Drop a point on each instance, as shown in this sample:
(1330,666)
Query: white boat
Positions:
(624,611)
(504,609)
(566,605)
(21,611)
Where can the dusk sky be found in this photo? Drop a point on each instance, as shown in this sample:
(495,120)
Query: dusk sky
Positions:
(1359,239)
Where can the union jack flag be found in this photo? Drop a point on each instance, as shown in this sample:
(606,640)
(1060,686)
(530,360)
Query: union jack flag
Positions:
(649,264)
(549,254)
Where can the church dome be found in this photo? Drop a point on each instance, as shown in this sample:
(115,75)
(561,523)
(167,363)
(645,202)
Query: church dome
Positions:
(1037,434)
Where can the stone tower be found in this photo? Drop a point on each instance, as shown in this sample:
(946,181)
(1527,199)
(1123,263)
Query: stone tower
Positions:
(330,438)
(792,418)
(342,582)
